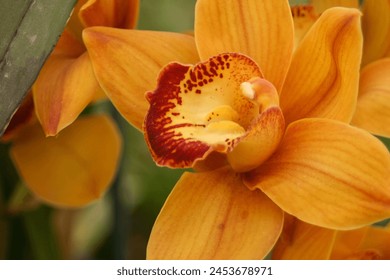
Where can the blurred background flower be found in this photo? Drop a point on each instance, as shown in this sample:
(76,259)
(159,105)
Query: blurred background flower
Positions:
(373,106)
(66,83)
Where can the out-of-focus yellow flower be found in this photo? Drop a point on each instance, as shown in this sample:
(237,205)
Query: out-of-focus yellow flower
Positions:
(70,170)
(373,106)
(302,241)
(269,126)
(66,83)
(304,16)
(78,165)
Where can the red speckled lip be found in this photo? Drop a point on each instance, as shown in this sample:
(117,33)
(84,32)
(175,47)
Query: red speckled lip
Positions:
(199,109)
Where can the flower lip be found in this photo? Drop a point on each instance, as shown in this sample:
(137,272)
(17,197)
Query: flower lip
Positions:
(208,107)
(199,109)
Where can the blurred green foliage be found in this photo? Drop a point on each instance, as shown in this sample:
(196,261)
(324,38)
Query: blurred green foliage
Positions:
(167,15)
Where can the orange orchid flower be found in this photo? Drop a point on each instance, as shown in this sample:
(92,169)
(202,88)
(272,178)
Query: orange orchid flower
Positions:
(373,106)
(72,169)
(66,83)
(268,126)
(302,241)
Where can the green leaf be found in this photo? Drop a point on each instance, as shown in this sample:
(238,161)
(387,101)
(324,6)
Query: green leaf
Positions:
(299,2)
(39,228)
(29,30)
(385,141)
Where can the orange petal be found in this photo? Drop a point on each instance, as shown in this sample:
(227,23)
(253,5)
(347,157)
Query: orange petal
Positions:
(127,63)
(373,107)
(368,243)
(302,241)
(376,30)
(68,45)
(304,17)
(212,215)
(64,87)
(324,73)
(329,174)
(347,243)
(72,169)
(112,13)
(262,30)
(260,142)
(74,25)
(199,109)
(321,5)
(377,243)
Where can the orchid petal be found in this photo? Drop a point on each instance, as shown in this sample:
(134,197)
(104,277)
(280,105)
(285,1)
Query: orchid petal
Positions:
(262,30)
(302,241)
(199,109)
(373,107)
(377,243)
(74,25)
(212,215)
(368,243)
(324,74)
(112,13)
(127,62)
(68,45)
(72,169)
(329,174)
(376,30)
(321,5)
(347,243)
(261,140)
(63,89)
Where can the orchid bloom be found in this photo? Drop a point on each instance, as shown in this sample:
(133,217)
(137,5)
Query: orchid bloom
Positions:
(72,169)
(268,126)
(373,106)
(66,83)
(302,241)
